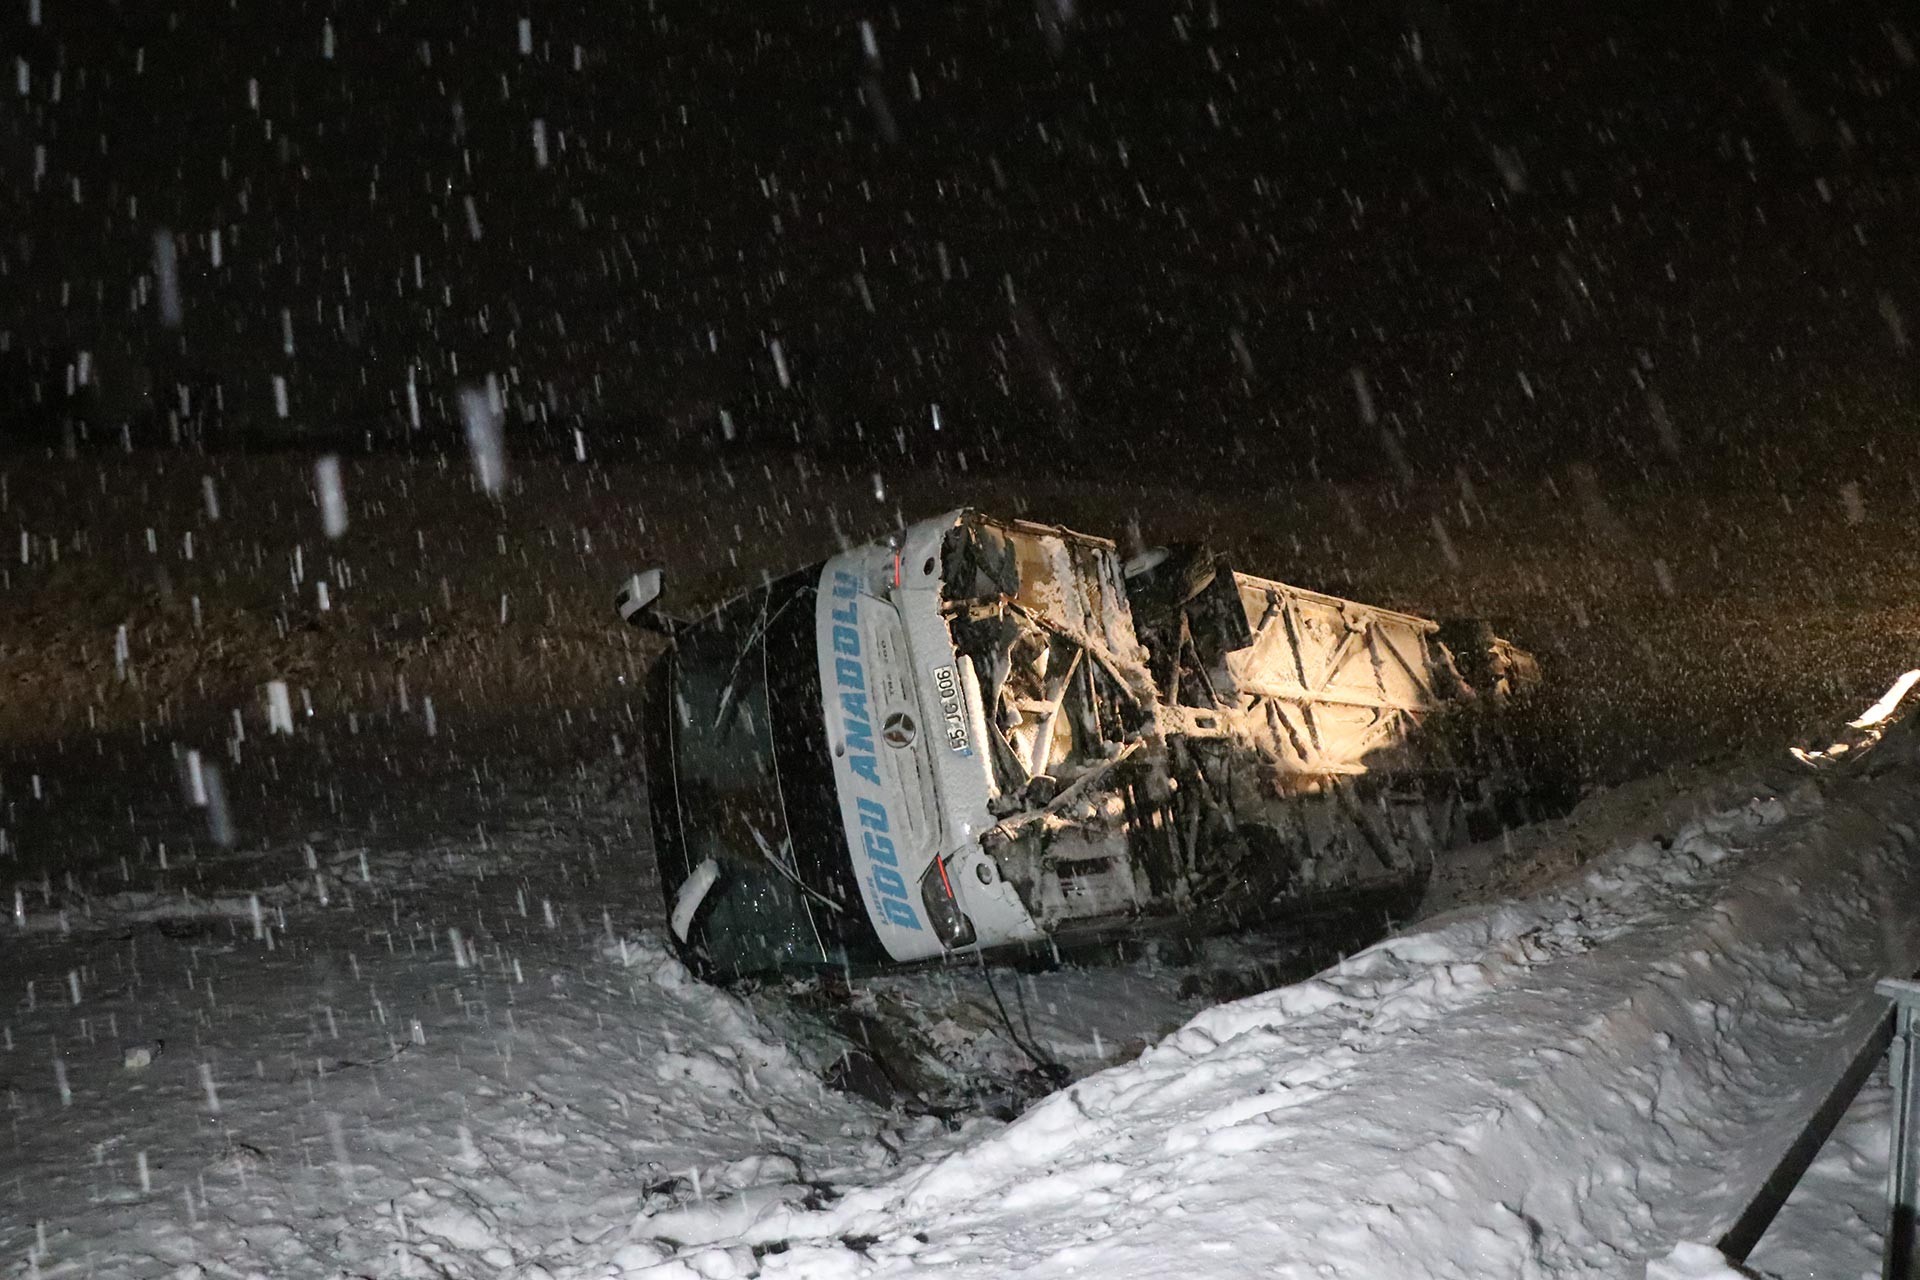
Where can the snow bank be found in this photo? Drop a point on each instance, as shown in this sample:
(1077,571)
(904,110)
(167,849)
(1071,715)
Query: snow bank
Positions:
(1692,1262)
(1571,1085)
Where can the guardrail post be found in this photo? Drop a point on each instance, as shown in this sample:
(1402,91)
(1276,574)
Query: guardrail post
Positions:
(1902,1258)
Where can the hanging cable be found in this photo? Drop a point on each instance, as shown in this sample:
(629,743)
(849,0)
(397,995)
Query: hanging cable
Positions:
(1051,1071)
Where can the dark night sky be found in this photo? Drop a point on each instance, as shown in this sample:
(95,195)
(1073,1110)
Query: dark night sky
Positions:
(1535,235)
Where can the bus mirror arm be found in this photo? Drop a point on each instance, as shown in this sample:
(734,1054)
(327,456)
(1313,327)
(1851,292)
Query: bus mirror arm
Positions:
(636,598)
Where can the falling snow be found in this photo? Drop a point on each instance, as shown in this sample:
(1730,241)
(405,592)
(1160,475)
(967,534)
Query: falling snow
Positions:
(348,359)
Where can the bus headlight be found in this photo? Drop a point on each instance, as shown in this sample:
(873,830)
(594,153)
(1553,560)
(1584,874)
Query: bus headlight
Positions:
(936,894)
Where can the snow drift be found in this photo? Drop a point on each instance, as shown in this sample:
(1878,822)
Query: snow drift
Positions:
(1569,1085)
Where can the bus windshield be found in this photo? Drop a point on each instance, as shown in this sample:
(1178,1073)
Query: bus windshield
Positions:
(738,772)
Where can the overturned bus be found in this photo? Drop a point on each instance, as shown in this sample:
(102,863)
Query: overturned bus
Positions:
(986,734)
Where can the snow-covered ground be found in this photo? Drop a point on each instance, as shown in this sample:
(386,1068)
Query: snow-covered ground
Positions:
(449,1045)
(1566,1085)
(471,1055)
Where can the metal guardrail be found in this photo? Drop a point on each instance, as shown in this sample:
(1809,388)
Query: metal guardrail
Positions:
(1745,1233)
(1902,1258)
(1897,1035)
